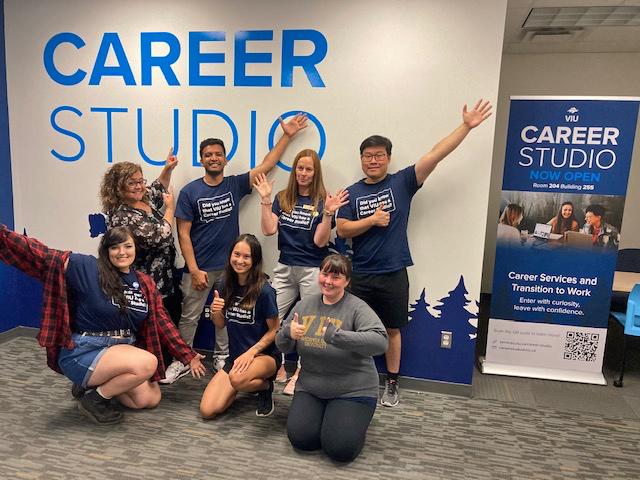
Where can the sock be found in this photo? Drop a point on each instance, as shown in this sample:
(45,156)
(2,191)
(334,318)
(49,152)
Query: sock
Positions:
(392,377)
(99,391)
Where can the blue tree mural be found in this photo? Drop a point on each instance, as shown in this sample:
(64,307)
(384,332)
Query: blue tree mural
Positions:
(422,356)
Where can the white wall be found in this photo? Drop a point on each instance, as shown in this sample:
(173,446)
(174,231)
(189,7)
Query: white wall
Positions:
(402,71)
(607,74)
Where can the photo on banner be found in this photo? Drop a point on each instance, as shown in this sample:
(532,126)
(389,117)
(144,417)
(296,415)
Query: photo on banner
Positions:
(566,168)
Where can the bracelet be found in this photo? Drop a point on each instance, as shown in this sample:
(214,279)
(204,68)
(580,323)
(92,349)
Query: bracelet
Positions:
(327,213)
(266,204)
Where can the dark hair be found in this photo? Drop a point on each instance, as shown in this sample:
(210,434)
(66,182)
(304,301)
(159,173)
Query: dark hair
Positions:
(562,224)
(597,210)
(336,263)
(255,279)
(211,141)
(376,141)
(108,274)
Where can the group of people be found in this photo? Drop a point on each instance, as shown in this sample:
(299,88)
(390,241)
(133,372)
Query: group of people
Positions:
(602,233)
(106,320)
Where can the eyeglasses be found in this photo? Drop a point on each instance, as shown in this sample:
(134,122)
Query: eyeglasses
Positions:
(370,156)
(133,183)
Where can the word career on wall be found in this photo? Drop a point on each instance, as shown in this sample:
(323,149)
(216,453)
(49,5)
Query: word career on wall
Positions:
(111,60)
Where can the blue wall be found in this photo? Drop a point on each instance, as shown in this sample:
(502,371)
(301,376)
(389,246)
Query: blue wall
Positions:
(20,296)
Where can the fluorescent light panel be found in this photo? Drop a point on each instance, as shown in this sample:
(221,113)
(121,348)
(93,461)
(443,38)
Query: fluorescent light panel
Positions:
(558,17)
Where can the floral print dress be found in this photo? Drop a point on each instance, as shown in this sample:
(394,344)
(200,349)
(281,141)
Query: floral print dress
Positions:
(155,248)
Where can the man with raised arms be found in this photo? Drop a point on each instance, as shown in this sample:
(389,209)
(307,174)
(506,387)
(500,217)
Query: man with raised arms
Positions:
(207,217)
(376,219)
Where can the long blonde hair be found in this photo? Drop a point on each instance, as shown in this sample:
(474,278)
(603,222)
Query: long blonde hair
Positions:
(114,183)
(288,197)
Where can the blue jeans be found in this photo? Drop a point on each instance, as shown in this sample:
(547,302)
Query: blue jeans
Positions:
(79,363)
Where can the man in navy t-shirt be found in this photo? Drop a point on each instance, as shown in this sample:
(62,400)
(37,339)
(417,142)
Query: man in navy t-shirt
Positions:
(376,220)
(207,218)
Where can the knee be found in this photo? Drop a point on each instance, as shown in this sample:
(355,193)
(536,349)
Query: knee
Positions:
(302,438)
(208,412)
(154,399)
(342,451)
(393,332)
(147,366)
(238,380)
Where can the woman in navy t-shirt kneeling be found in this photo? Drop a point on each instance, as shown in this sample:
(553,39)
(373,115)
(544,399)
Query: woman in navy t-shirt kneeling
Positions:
(103,323)
(246,304)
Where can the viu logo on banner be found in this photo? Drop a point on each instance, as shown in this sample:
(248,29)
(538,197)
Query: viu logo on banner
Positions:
(569,146)
(572,117)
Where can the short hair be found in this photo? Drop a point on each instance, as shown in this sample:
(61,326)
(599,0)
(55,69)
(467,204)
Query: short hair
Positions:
(207,142)
(597,210)
(376,141)
(336,263)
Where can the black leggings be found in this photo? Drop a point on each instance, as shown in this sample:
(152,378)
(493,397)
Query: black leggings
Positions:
(337,426)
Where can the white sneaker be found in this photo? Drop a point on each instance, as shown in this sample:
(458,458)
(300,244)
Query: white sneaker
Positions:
(175,371)
(218,363)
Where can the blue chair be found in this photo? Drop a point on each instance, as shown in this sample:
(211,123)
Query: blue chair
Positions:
(630,321)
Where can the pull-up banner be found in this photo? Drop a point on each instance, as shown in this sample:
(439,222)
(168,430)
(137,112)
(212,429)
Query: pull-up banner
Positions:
(567,163)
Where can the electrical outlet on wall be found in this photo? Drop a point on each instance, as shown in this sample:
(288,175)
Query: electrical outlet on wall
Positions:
(446,338)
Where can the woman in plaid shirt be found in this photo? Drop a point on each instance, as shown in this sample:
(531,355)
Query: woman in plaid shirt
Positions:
(103,323)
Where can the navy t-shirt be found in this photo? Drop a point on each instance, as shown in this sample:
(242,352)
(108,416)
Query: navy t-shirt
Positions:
(247,327)
(90,309)
(382,249)
(213,213)
(296,231)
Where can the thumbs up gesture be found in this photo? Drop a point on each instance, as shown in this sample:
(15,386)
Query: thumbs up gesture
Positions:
(218,303)
(380,218)
(296,328)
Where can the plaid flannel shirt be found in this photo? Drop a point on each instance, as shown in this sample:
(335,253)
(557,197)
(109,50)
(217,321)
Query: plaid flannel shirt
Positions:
(47,265)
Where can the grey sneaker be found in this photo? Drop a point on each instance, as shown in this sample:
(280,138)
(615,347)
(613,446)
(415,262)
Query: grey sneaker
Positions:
(219,362)
(174,371)
(390,395)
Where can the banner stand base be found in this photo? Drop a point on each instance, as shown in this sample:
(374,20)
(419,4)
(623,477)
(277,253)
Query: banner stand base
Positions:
(492,368)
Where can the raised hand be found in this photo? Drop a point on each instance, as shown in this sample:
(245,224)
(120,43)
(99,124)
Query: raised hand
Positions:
(199,280)
(263,186)
(380,218)
(197,368)
(333,202)
(172,161)
(479,113)
(296,329)
(218,302)
(294,125)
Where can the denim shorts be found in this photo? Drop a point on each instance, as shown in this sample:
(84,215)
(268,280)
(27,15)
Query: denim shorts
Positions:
(79,363)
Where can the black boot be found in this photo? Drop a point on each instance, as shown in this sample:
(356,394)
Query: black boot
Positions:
(99,409)
(78,391)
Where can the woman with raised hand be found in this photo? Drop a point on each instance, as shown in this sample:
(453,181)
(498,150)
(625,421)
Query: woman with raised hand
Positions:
(303,216)
(103,323)
(246,304)
(336,335)
(148,211)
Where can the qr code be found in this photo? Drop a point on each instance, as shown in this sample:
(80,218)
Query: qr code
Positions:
(581,346)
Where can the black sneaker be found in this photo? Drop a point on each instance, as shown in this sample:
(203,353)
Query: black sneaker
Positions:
(77,391)
(265,401)
(98,409)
